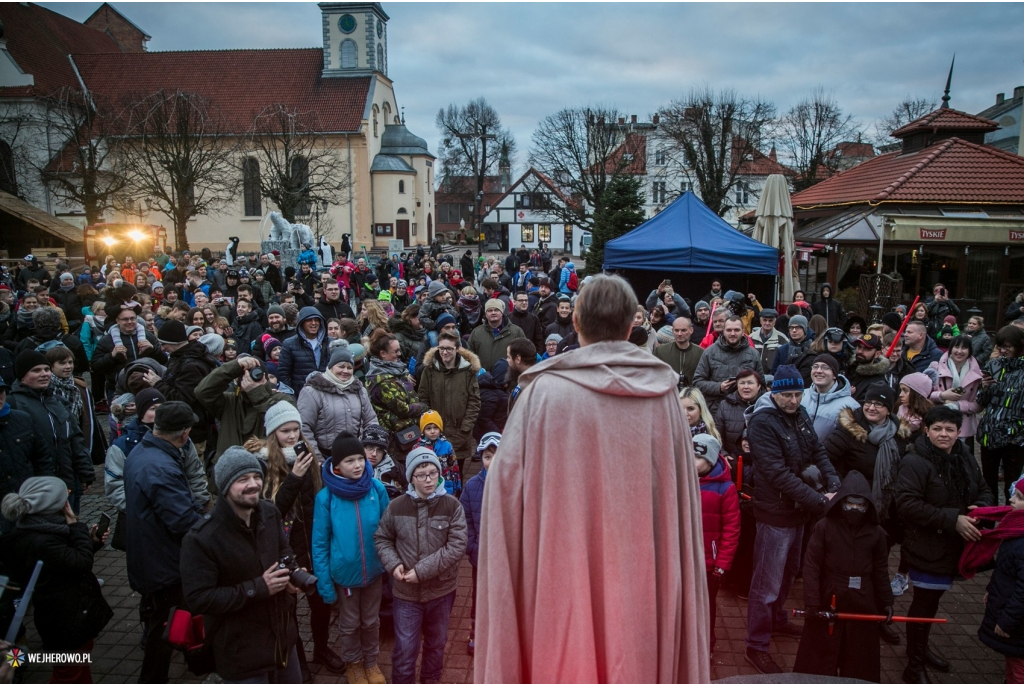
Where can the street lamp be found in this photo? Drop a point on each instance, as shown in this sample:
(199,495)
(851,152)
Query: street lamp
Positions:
(317,204)
(479,225)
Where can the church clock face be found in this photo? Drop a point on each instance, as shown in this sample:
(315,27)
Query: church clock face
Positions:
(347,23)
(380,30)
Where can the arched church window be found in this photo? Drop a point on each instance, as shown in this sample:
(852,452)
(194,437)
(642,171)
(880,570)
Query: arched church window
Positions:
(376,111)
(251,187)
(300,185)
(401,186)
(349,54)
(380,59)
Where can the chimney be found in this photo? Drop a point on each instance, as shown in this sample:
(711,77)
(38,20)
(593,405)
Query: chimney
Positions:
(632,118)
(655,119)
(1018,92)
(622,121)
(1000,98)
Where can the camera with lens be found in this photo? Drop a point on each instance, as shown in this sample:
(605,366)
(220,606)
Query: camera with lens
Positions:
(304,580)
(684,382)
(256,374)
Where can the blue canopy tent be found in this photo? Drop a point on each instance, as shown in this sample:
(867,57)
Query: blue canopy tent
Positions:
(686,241)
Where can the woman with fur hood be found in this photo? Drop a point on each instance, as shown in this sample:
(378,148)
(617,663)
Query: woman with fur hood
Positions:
(334,401)
(450,387)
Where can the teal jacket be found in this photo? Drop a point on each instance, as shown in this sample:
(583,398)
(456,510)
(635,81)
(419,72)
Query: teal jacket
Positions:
(343,548)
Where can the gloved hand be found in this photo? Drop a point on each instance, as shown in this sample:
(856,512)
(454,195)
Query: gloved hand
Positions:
(888,615)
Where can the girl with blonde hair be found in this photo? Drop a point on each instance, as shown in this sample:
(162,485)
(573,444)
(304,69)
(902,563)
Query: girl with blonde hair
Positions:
(698,416)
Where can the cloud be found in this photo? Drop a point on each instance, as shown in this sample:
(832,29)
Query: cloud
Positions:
(531,59)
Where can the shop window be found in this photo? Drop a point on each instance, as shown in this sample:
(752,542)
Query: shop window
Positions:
(527,233)
(544,233)
(383,229)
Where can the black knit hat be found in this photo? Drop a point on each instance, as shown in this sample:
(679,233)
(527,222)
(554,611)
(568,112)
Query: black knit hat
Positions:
(880,392)
(26,361)
(172,332)
(345,445)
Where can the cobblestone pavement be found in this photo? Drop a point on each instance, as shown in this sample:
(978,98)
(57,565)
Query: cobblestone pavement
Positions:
(117,657)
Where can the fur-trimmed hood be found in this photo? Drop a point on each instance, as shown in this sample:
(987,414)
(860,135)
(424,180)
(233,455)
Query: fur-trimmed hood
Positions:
(466,359)
(850,422)
(878,367)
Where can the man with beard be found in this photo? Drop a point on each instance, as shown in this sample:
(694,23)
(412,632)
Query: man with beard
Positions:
(716,371)
(331,306)
(799,342)
(278,327)
(521,355)
(529,322)
(702,320)
(870,367)
(546,308)
(490,341)
(682,355)
(233,557)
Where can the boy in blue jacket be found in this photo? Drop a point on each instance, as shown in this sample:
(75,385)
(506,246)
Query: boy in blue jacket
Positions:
(472,500)
(346,514)
(431,426)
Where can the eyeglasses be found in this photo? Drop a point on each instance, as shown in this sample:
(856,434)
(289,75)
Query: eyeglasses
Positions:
(820,367)
(446,349)
(426,477)
(130,319)
(874,405)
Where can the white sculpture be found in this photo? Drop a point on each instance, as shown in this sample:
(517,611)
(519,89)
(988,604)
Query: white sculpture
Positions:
(325,253)
(231,251)
(296,234)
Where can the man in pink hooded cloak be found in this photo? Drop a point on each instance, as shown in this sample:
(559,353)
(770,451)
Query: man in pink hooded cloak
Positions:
(591,559)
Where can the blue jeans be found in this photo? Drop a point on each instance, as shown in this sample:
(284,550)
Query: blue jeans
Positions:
(776,563)
(410,619)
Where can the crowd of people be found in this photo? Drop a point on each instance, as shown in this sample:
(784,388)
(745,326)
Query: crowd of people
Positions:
(269,432)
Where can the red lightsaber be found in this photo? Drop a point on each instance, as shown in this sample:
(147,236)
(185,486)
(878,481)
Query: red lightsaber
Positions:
(899,334)
(832,616)
(739,477)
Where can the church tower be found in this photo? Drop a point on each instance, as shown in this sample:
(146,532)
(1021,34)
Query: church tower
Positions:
(355,38)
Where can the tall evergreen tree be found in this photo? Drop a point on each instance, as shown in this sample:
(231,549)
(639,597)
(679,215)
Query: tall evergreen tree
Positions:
(621,210)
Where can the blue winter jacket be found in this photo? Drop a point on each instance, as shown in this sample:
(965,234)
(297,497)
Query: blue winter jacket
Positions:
(343,549)
(300,356)
(563,282)
(473,504)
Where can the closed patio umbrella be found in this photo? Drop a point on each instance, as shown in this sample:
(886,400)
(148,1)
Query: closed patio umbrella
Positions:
(774,227)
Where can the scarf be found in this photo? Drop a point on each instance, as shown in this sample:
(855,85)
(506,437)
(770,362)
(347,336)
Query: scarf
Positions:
(346,488)
(978,555)
(956,373)
(65,390)
(698,429)
(380,367)
(338,383)
(469,305)
(24,318)
(5,410)
(54,524)
(887,462)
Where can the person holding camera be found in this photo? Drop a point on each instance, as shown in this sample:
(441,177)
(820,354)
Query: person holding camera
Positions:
(237,570)
(238,396)
(939,307)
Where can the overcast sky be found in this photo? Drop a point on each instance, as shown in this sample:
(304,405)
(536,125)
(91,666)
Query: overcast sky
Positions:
(530,60)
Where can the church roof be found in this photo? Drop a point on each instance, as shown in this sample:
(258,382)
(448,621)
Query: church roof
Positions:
(40,41)
(391,163)
(952,170)
(240,83)
(398,140)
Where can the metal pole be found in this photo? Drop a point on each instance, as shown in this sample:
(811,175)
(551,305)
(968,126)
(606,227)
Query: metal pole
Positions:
(881,243)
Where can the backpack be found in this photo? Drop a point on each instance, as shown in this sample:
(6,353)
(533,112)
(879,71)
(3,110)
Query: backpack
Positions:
(574,281)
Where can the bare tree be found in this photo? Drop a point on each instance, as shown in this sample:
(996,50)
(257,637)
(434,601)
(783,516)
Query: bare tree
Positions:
(472,143)
(907,111)
(711,135)
(85,169)
(20,126)
(297,165)
(809,134)
(582,148)
(177,157)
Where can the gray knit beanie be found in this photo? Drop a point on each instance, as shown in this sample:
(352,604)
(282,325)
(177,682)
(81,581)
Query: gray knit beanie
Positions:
(232,465)
(340,353)
(279,414)
(420,455)
(37,495)
(214,343)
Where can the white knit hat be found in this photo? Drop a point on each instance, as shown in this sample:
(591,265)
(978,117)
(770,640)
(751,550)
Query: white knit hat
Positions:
(279,414)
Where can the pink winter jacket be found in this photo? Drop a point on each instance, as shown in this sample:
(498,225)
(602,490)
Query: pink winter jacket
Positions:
(971,383)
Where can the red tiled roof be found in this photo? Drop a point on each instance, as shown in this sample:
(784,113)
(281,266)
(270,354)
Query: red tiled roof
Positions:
(952,170)
(944,119)
(40,41)
(634,145)
(239,82)
(759,164)
(851,149)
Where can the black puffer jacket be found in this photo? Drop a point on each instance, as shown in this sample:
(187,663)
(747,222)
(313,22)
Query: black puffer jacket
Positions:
(61,433)
(186,368)
(69,341)
(929,509)
(68,602)
(848,447)
(294,501)
(247,330)
(1004,607)
(104,361)
(783,445)
(493,406)
(23,454)
(731,423)
(222,562)
(863,375)
(829,307)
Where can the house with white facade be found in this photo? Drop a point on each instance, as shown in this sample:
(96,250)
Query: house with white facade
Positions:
(523,217)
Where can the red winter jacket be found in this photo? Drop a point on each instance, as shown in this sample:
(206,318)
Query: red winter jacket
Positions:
(720,510)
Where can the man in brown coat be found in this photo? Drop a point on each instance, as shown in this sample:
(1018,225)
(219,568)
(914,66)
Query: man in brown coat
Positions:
(449,386)
(594,485)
